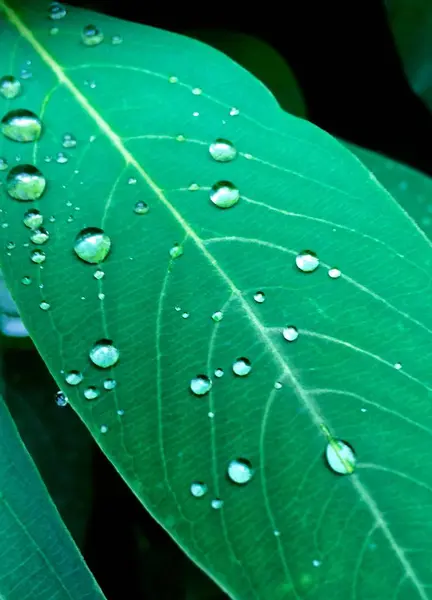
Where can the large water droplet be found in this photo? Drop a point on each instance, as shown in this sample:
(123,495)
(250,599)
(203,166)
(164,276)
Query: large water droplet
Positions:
(38,257)
(91,393)
(57,11)
(21,125)
(25,182)
(73,377)
(242,367)
(91,35)
(198,489)
(92,245)
(290,333)
(33,219)
(69,141)
(104,354)
(240,471)
(307,261)
(200,385)
(141,208)
(222,150)
(3,164)
(39,236)
(216,503)
(259,297)
(10,86)
(61,399)
(340,457)
(224,194)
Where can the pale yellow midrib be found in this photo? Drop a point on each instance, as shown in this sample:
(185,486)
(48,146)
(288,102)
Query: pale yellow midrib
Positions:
(130,159)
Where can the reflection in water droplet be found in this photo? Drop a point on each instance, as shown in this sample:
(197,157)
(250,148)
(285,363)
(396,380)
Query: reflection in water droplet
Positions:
(240,471)
(3,164)
(218,373)
(224,194)
(216,503)
(92,245)
(91,36)
(38,256)
(176,251)
(91,392)
(334,273)
(141,208)
(26,280)
(44,305)
(259,297)
(109,384)
(200,385)
(25,182)
(57,11)
(290,333)
(242,367)
(116,40)
(222,150)
(69,141)
(33,219)
(10,86)
(104,354)
(61,158)
(61,399)
(39,236)
(74,377)
(217,316)
(198,489)
(98,274)
(21,125)
(340,457)
(307,261)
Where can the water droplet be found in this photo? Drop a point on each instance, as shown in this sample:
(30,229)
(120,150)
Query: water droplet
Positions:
(334,273)
(39,236)
(109,384)
(69,141)
(218,373)
(61,158)
(33,219)
(200,385)
(316,563)
(224,194)
(210,415)
(92,245)
(240,471)
(290,333)
(103,428)
(44,305)
(3,164)
(54,30)
(185,315)
(26,74)
(61,399)
(176,251)
(101,296)
(120,412)
(276,532)
(132,181)
(307,261)
(195,114)
(38,256)
(217,316)
(10,245)
(91,392)
(216,503)
(198,489)
(222,150)
(10,86)
(98,274)
(91,36)
(104,354)
(73,377)
(173,79)
(278,385)
(47,158)
(397,366)
(197,91)
(234,112)
(116,40)
(259,297)
(194,187)
(141,208)
(340,457)
(242,367)
(57,11)
(25,182)
(26,280)
(21,125)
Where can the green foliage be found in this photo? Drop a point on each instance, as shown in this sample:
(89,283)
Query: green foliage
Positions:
(145,113)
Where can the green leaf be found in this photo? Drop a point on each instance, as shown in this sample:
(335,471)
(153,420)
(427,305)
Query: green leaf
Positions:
(144,114)
(38,559)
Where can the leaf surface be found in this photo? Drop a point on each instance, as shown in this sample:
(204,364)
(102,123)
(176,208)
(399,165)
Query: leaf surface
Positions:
(144,113)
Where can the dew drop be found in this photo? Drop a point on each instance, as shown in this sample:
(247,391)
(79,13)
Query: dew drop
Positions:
(44,305)
(141,208)
(185,315)
(38,257)
(104,354)
(39,236)
(26,74)
(307,261)
(91,36)
(3,164)
(54,30)
(173,79)
(316,563)
(61,399)
(224,194)
(132,181)
(109,384)
(242,367)
(180,138)
(218,373)
(10,86)
(340,457)
(240,471)
(103,428)
(276,532)
(91,392)
(92,245)
(26,280)
(176,251)
(290,333)
(234,112)
(334,273)
(61,158)
(21,125)
(33,219)
(194,187)
(10,245)
(278,385)
(200,385)
(217,316)
(116,40)
(216,503)
(25,182)
(259,297)
(197,91)
(222,150)
(198,489)
(397,366)
(120,412)
(69,141)
(57,11)
(98,274)
(73,377)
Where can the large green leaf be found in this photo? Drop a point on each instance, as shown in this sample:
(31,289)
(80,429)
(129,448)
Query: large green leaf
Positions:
(38,559)
(144,113)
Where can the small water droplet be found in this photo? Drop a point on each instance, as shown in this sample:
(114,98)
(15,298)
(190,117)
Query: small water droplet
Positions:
(26,74)
(61,158)
(39,236)
(44,305)
(61,399)
(197,91)
(259,297)
(180,138)
(132,181)
(103,428)
(91,35)
(290,333)
(173,79)
(185,315)
(217,316)
(276,532)
(104,354)
(224,194)
(278,385)
(316,563)
(38,256)
(116,40)
(98,274)
(10,86)
(397,366)
(73,377)
(222,150)
(91,392)
(210,415)
(54,30)
(26,280)
(120,412)
(334,273)
(25,182)
(47,158)
(218,373)
(92,245)
(69,141)
(3,164)
(194,187)
(176,251)
(216,503)
(109,384)
(33,219)
(10,245)
(307,261)
(21,125)
(141,208)
(240,471)
(200,385)
(195,114)
(57,11)
(234,112)
(340,457)
(242,367)
(198,489)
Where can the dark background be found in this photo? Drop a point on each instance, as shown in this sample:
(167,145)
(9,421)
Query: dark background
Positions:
(345,61)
